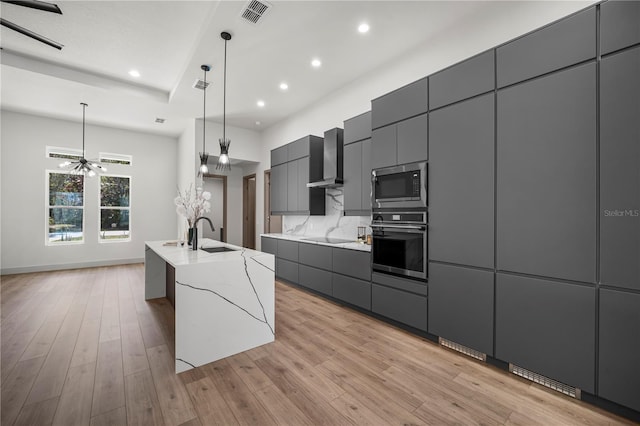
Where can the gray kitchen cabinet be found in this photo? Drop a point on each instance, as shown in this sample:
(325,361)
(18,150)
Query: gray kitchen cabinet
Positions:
(315,279)
(463,80)
(301,184)
(412,137)
(287,270)
(561,44)
(269,245)
(461,306)
(546,199)
(292,186)
(316,255)
(403,103)
(402,306)
(400,143)
(357,128)
(299,148)
(366,177)
(279,188)
(547,327)
(619,347)
(279,155)
(619,26)
(352,290)
(619,165)
(288,250)
(357,178)
(384,147)
(461,195)
(354,263)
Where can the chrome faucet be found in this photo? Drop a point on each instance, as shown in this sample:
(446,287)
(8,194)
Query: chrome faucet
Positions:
(194,240)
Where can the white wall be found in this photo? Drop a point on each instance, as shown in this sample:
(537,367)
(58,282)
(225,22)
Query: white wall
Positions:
(481,32)
(24,215)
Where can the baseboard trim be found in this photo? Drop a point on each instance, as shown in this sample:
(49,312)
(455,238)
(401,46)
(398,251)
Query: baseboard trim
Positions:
(63,266)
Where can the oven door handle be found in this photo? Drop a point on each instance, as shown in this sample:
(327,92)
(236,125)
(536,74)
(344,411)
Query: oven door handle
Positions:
(418,227)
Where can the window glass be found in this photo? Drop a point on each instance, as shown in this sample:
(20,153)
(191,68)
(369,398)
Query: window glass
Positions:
(66,213)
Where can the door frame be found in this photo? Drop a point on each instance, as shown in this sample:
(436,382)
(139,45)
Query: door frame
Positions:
(224,202)
(245,213)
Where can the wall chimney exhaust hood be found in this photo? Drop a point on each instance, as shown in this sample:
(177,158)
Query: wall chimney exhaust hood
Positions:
(332,160)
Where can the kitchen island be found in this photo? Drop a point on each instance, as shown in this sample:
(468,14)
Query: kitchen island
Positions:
(224,300)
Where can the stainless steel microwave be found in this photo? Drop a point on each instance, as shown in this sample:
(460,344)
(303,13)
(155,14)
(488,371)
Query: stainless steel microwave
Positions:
(402,186)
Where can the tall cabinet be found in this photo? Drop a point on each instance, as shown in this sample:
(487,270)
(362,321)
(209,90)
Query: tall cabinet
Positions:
(357,165)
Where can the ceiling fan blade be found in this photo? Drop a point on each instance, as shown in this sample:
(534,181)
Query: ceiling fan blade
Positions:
(35,4)
(30,33)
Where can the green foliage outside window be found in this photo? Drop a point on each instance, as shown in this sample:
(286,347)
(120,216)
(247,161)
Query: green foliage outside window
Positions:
(114,207)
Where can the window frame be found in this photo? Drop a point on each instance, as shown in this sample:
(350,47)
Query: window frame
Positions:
(48,208)
(61,153)
(114,159)
(100,208)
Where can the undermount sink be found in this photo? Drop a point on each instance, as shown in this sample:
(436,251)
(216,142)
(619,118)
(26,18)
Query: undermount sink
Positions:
(216,249)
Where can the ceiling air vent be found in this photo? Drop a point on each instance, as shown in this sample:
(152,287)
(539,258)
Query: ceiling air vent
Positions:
(200,84)
(255,11)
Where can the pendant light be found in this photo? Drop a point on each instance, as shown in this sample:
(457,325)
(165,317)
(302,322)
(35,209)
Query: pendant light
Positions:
(204,155)
(82,166)
(223,159)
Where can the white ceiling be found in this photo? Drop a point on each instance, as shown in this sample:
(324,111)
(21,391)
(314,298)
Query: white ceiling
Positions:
(167,41)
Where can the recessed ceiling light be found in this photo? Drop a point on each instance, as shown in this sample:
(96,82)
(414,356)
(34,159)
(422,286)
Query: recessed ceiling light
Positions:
(316,63)
(258,123)
(260,103)
(134,73)
(284,86)
(363,28)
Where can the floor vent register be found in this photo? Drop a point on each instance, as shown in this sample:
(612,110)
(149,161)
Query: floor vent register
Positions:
(462,349)
(545,381)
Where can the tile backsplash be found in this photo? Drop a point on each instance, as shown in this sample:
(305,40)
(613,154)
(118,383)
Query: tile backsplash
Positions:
(332,224)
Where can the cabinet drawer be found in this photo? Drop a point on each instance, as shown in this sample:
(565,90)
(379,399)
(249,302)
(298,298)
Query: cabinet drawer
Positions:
(566,42)
(287,270)
(400,104)
(298,149)
(315,255)
(461,81)
(269,245)
(357,128)
(351,290)
(404,307)
(354,263)
(279,156)
(315,279)
(419,287)
(288,250)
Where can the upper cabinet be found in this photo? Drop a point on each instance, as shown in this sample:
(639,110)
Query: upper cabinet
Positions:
(400,143)
(463,80)
(403,103)
(357,165)
(619,25)
(619,165)
(563,43)
(357,128)
(292,167)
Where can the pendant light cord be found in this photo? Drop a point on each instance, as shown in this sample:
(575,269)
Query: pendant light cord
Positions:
(84,107)
(204,112)
(224,96)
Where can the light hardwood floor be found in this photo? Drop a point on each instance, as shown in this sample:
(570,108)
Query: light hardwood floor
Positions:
(83,347)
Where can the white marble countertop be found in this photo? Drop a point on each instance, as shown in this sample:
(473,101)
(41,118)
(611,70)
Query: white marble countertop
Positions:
(301,238)
(181,256)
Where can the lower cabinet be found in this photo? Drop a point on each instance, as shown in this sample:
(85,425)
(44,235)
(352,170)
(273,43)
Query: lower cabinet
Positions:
(402,306)
(547,327)
(315,279)
(352,290)
(619,346)
(287,270)
(269,245)
(461,306)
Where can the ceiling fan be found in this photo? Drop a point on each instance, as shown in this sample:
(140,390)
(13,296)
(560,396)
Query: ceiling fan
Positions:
(33,4)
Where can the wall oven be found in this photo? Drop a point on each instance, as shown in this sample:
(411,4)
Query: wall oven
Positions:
(399,243)
(400,186)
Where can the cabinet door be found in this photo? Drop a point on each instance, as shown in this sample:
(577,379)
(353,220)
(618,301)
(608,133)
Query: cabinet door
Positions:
(316,255)
(303,179)
(351,290)
(279,155)
(546,176)
(412,140)
(619,372)
(619,26)
(563,43)
(461,306)
(298,149)
(619,165)
(353,176)
(292,186)
(357,128)
(404,307)
(461,183)
(315,279)
(354,263)
(279,188)
(547,327)
(287,270)
(383,147)
(366,175)
(402,103)
(269,245)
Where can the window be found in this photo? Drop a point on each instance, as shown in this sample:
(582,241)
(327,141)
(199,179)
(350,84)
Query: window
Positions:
(65,153)
(108,158)
(114,208)
(65,205)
